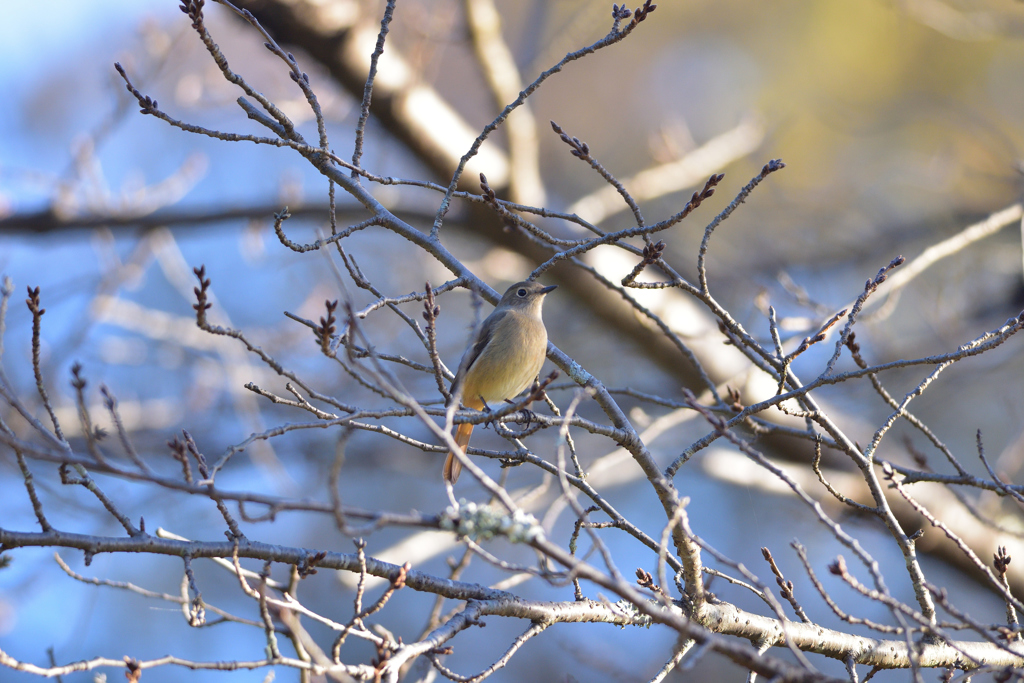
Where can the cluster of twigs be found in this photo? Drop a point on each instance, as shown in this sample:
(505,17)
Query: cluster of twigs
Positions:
(672,592)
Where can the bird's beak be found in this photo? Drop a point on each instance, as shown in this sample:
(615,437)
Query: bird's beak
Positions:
(548,289)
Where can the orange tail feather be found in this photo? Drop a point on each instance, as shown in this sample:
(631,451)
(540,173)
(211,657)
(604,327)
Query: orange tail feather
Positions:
(452,467)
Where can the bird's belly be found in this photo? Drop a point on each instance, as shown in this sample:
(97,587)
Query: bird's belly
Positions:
(499,376)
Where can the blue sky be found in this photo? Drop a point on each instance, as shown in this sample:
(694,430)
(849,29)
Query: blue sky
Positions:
(36,36)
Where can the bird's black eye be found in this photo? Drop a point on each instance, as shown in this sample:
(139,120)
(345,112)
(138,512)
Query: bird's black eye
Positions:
(521,292)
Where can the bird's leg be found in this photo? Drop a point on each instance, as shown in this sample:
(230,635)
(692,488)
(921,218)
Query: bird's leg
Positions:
(526,414)
(486,409)
(537,393)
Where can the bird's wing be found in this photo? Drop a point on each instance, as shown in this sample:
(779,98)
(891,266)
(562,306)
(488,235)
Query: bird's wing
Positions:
(473,352)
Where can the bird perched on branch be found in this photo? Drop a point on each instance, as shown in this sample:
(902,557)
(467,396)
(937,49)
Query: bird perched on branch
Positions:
(503,359)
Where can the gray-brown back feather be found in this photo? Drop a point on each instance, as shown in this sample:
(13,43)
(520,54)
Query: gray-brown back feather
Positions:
(473,352)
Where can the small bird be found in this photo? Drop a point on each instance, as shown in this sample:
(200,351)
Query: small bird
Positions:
(503,359)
